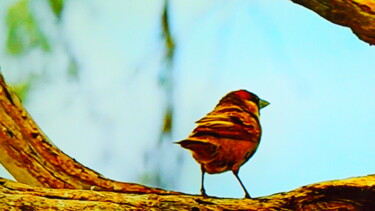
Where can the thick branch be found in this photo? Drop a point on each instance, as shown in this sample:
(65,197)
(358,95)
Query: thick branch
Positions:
(359,15)
(32,159)
(350,194)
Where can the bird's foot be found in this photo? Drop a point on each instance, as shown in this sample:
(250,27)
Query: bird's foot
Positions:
(203,193)
(247,196)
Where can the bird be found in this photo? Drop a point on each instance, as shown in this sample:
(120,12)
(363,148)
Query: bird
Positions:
(228,136)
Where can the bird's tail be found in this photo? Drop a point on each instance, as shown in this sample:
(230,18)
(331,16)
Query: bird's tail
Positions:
(202,151)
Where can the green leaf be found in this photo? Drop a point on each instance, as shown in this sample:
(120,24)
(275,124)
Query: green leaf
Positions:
(22,89)
(73,69)
(57,7)
(23,32)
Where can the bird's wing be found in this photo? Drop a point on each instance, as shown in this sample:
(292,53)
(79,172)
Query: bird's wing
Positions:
(232,126)
(213,117)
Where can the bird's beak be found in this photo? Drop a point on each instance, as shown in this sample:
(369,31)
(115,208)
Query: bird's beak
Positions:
(263,103)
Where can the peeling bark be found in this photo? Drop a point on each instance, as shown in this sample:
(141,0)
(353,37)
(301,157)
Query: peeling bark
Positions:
(359,15)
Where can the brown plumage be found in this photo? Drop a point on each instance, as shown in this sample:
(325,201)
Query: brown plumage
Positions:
(227,136)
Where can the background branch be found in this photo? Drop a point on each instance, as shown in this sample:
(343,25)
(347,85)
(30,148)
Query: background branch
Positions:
(359,15)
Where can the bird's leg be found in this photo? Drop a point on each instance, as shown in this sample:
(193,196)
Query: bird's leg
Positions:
(203,191)
(247,195)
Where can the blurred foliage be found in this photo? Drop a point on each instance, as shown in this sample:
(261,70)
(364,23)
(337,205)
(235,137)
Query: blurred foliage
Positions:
(57,7)
(169,42)
(157,176)
(23,32)
(167,126)
(166,75)
(73,69)
(22,89)
(153,178)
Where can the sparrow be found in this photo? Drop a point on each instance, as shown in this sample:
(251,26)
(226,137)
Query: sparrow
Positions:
(228,136)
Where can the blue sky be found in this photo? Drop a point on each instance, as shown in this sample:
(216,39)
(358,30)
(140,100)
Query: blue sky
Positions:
(318,76)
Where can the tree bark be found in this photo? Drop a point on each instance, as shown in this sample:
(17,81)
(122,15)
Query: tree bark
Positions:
(359,15)
(349,194)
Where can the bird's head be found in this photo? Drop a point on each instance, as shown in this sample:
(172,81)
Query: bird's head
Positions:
(251,97)
(249,100)
(245,99)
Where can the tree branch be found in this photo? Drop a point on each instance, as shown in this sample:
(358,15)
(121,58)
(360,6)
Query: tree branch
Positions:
(349,194)
(359,15)
(32,158)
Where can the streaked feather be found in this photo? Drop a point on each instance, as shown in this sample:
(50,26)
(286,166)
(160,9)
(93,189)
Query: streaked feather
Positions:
(227,136)
(228,122)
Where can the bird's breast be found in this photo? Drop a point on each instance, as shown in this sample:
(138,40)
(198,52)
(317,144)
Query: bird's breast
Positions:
(231,154)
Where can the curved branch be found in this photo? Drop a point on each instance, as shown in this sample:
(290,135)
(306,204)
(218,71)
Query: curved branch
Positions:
(33,159)
(359,15)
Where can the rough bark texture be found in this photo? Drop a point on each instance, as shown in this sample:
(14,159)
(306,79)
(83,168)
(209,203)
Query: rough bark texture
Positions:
(32,159)
(359,15)
(350,194)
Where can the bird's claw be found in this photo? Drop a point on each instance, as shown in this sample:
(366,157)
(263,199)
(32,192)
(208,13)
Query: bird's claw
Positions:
(247,196)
